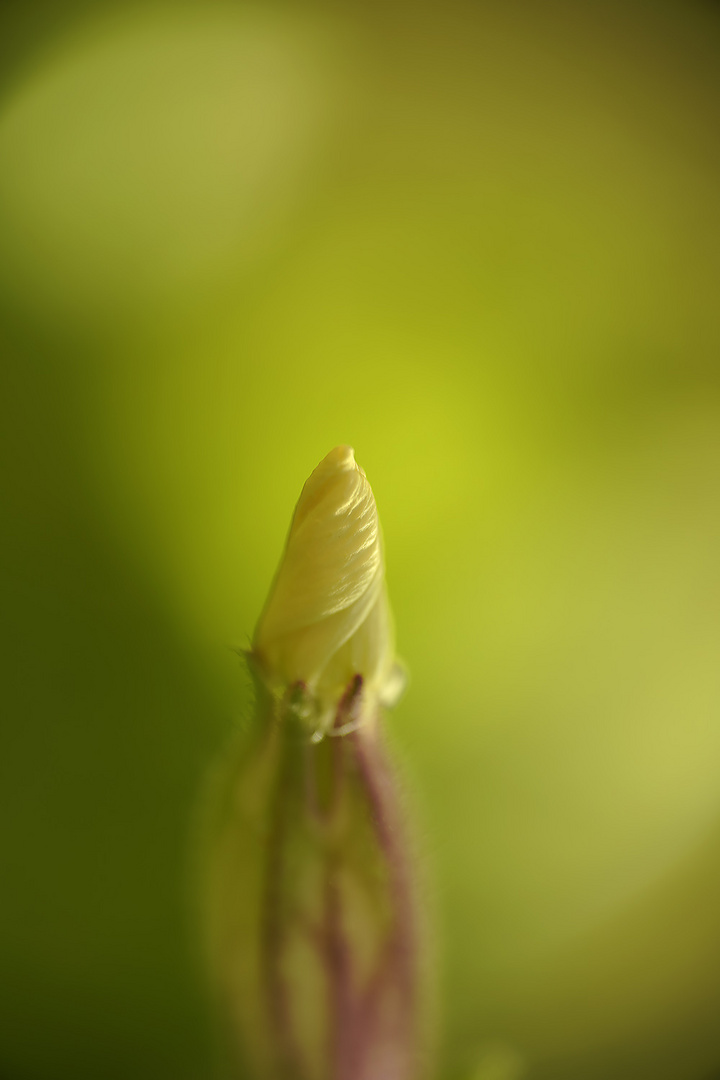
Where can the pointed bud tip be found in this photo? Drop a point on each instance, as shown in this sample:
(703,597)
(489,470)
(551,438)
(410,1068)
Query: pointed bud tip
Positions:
(342,456)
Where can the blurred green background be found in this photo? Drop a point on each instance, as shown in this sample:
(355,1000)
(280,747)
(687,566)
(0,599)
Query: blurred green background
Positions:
(480,243)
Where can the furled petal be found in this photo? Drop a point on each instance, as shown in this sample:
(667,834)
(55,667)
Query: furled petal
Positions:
(327,617)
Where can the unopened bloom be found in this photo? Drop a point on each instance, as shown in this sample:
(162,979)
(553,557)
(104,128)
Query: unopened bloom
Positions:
(327,617)
(314,928)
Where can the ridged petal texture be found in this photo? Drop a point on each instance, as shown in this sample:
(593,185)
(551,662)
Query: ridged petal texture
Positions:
(327,617)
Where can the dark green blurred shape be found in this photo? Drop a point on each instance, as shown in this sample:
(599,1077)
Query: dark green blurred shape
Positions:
(106,727)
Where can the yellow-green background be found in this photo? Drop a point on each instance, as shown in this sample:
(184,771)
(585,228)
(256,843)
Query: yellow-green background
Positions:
(480,243)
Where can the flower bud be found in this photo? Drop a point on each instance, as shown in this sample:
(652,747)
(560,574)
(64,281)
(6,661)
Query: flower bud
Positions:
(327,617)
(313,916)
